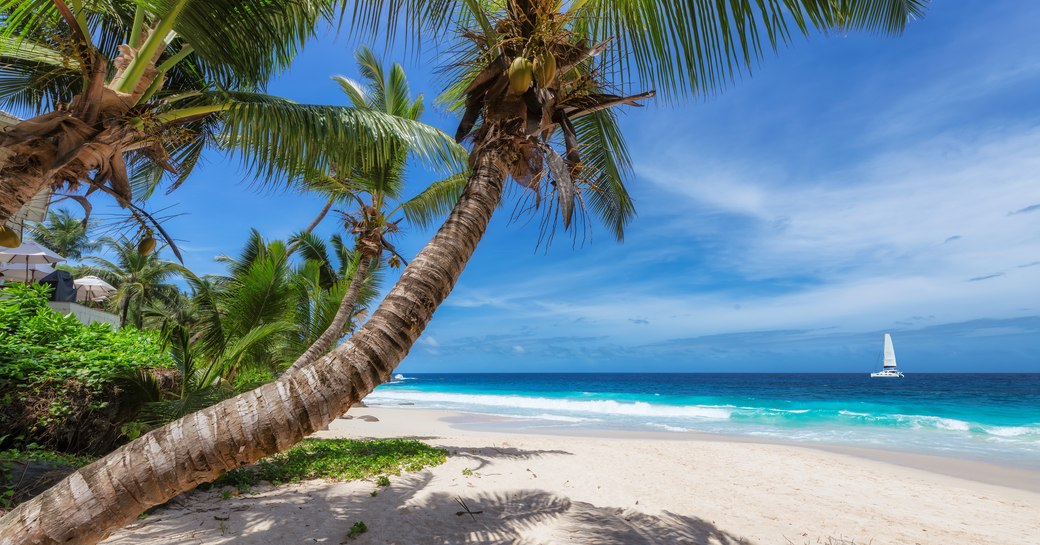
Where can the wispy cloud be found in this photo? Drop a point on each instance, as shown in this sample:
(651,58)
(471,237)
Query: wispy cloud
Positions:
(1032,208)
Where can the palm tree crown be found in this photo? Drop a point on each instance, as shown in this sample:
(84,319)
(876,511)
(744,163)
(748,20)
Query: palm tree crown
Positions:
(64,233)
(127,92)
(138,279)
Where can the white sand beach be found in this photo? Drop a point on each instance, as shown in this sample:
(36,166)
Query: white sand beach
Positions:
(531,489)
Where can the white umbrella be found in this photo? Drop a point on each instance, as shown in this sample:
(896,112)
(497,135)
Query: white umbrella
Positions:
(29,253)
(17,273)
(92,288)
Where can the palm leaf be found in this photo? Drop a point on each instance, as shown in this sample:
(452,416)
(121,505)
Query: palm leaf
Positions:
(434,202)
(605,166)
(679,47)
(246,41)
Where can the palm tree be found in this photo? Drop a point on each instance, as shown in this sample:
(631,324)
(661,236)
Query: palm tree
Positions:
(322,284)
(64,233)
(124,92)
(678,47)
(138,279)
(375,189)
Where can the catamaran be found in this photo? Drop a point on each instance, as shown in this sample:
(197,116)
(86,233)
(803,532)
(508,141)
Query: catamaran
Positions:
(889,366)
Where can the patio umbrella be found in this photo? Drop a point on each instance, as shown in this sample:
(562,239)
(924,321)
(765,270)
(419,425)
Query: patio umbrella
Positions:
(17,273)
(29,253)
(92,288)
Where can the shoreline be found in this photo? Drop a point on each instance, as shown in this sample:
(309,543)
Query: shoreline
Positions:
(973,469)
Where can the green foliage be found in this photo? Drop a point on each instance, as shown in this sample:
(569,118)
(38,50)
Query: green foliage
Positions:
(60,377)
(39,345)
(339,459)
(138,279)
(34,453)
(63,233)
(383,480)
(357,529)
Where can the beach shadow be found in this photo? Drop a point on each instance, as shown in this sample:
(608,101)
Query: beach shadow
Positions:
(527,517)
(409,512)
(483,456)
(289,513)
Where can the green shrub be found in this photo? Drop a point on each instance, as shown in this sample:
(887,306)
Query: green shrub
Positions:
(59,376)
(338,459)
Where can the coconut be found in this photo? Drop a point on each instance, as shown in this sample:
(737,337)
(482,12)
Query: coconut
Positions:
(544,68)
(9,237)
(146,245)
(520,75)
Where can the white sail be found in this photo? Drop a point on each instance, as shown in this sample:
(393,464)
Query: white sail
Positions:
(890,353)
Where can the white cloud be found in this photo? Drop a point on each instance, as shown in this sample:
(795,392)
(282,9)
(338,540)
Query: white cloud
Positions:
(900,235)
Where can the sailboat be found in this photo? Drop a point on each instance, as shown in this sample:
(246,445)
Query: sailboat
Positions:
(889,367)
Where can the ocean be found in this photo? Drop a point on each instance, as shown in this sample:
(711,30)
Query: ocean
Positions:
(991,417)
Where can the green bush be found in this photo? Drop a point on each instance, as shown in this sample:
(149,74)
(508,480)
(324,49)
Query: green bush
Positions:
(340,460)
(59,376)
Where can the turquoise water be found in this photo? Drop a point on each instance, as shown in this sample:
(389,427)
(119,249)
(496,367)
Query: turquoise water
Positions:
(993,417)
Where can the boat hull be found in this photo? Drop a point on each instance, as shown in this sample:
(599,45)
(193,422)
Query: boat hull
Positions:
(887,374)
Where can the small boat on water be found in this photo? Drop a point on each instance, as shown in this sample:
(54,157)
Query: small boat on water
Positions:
(888,369)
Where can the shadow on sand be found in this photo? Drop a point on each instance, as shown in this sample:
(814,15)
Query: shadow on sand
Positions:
(406,513)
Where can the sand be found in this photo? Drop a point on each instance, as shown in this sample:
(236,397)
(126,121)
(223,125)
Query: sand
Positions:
(539,488)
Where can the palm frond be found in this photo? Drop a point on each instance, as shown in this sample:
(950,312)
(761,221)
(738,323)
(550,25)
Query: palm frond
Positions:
(606,164)
(280,139)
(242,41)
(679,47)
(354,91)
(434,202)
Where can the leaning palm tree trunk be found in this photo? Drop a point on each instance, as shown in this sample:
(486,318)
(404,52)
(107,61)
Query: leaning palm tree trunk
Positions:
(91,503)
(346,309)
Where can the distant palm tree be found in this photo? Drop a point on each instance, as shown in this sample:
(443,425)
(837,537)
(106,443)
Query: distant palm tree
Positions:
(322,284)
(375,189)
(64,233)
(138,279)
(265,310)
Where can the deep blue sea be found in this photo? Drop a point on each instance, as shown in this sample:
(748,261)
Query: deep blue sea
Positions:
(993,417)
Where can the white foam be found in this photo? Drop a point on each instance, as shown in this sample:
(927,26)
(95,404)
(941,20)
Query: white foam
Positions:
(918,421)
(1011,431)
(604,407)
(852,413)
(666,427)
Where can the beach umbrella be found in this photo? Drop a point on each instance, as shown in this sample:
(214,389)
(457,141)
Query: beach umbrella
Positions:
(29,253)
(92,288)
(18,273)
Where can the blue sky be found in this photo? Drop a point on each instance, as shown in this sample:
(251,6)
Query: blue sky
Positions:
(853,185)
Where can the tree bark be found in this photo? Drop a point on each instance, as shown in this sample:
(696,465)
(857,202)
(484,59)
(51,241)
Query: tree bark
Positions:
(346,308)
(124,309)
(89,504)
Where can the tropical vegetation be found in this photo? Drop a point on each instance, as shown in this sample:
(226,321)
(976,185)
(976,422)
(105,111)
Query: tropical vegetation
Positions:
(138,278)
(60,378)
(64,234)
(375,190)
(127,94)
(536,82)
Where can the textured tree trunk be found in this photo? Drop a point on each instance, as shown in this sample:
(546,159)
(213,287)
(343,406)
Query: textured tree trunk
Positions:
(89,504)
(124,309)
(346,308)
